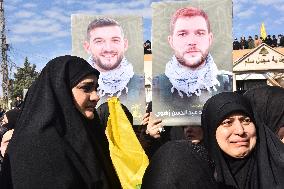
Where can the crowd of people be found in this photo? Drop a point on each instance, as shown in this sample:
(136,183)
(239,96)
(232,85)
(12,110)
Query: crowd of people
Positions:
(61,135)
(239,143)
(242,43)
(251,43)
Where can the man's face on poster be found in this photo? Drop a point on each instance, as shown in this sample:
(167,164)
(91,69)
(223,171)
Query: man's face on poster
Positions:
(107,47)
(191,41)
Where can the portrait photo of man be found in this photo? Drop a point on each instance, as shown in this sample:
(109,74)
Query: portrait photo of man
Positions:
(106,45)
(192,68)
(191,75)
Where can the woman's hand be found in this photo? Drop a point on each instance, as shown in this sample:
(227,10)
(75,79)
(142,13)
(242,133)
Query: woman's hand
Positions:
(154,126)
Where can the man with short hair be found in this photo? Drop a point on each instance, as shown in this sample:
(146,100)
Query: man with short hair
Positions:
(244,43)
(236,44)
(191,76)
(268,40)
(257,41)
(250,43)
(274,41)
(190,38)
(192,68)
(107,45)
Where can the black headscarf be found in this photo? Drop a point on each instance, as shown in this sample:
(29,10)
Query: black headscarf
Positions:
(179,165)
(12,116)
(268,105)
(54,145)
(262,168)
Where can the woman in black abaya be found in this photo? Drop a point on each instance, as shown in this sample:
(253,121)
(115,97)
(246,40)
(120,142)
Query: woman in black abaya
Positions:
(6,130)
(180,164)
(9,121)
(247,154)
(268,107)
(58,141)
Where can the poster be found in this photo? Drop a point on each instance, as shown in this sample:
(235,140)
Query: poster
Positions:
(114,46)
(192,57)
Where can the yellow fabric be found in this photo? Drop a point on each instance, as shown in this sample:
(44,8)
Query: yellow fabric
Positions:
(263,31)
(128,156)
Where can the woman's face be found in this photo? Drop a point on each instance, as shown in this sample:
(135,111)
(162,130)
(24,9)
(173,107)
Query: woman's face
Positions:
(85,96)
(236,135)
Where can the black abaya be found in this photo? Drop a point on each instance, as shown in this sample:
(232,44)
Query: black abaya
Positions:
(54,145)
(268,105)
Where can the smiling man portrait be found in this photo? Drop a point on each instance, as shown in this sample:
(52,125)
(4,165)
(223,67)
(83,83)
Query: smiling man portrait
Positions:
(107,45)
(112,45)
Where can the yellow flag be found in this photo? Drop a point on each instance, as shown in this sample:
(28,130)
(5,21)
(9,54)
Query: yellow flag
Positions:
(262,31)
(127,154)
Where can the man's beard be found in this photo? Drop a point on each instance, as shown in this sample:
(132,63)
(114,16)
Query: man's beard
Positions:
(108,66)
(195,63)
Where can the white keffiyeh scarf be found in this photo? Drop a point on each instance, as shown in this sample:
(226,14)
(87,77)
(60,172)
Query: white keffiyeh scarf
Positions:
(190,81)
(116,80)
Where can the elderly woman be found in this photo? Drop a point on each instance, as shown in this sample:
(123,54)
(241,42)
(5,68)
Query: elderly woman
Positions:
(58,141)
(268,107)
(247,155)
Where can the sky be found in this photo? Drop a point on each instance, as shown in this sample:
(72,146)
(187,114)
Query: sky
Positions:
(41,30)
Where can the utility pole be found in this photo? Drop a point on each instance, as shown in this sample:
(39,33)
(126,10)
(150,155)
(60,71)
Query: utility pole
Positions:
(4,48)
